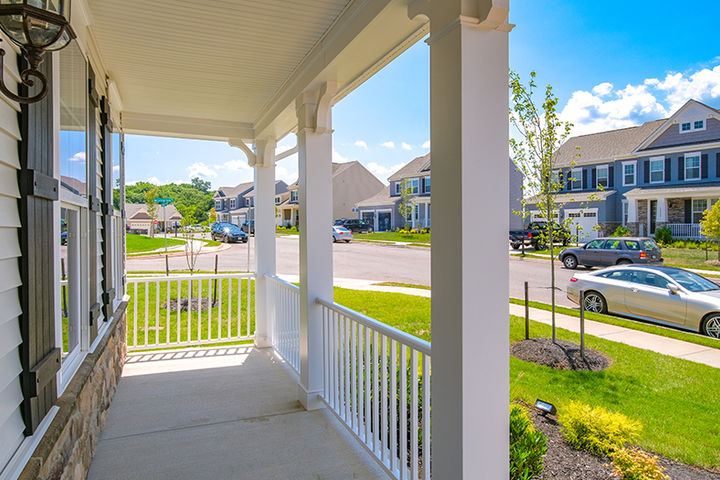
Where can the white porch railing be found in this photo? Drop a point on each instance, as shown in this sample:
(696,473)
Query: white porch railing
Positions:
(685,231)
(374,383)
(284,319)
(192,310)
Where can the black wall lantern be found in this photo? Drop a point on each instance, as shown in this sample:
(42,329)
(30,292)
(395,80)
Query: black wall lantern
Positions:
(36,26)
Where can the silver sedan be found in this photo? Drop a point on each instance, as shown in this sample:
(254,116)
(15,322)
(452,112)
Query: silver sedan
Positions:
(665,295)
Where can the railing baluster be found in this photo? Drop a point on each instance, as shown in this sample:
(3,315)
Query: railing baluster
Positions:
(209,311)
(179,310)
(393,406)
(403,413)
(426,408)
(229,307)
(167,313)
(376,395)
(249,310)
(353,375)
(346,366)
(135,317)
(384,399)
(414,413)
(367,370)
(147,307)
(157,313)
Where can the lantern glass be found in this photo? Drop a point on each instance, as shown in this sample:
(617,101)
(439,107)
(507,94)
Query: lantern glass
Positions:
(47,23)
(12,25)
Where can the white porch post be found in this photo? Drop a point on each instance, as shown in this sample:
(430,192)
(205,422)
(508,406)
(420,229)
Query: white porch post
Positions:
(662,210)
(632,210)
(264,235)
(314,139)
(470,333)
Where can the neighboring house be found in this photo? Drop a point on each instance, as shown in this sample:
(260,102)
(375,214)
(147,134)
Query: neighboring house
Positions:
(351,182)
(138,220)
(382,210)
(663,172)
(236,204)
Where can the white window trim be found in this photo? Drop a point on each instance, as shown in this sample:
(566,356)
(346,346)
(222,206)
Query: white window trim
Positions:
(397,187)
(692,208)
(572,178)
(233,203)
(597,175)
(692,126)
(662,169)
(426,190)
(634,165)
(685,165)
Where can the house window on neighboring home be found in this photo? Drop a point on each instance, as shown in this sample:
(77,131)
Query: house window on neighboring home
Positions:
(698,208)
(692,166)
(427,184)
(657,169)
(294,196)
(277,201)
(576,178)
(602,176)
(686,127)
(414,185)
(232,203)
(218,205)
(628,174)
(397,188)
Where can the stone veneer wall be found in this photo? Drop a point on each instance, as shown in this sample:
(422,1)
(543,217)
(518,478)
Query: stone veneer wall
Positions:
(66,449)
(607,228)
(676,210)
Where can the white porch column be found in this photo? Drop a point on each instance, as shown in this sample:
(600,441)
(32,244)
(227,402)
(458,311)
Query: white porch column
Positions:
(470,333)
(632,210)
(314,139)
(662,210)
(264,235)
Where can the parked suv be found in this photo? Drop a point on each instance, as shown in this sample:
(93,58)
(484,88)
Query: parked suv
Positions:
(613,251)
(355,225)
(228,233)
(248,227)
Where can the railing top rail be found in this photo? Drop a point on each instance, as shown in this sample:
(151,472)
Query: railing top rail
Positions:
(391,332)
(282,282)
(199,276)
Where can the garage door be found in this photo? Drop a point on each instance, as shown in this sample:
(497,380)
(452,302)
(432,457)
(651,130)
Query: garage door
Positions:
(583,222)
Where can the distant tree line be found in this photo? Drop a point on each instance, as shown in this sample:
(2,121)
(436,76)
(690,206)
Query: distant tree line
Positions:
(193,200)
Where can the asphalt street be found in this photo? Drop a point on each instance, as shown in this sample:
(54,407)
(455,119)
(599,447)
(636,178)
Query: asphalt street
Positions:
(369,261)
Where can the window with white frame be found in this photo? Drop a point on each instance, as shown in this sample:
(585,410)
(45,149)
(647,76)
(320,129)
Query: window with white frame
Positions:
(692,166)
(601,174)
(218,205)
(427,184)
(692,126)
(397,188)
(576,178)
(698,208)
(277,201)
(293,195)
(233,201)
(628,174)
(413,185)
(657,169)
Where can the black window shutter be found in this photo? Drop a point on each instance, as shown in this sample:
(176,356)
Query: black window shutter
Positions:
(681,168)
(93,204)
(568,185)
(108,294)
(688,211)
(668,169)
(594,178)
(422,185)
(647,171)
(704,165)
(584,179)
(717,164)
(39,357)
(611,176)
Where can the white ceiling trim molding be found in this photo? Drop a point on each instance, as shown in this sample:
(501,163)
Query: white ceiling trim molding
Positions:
(184,127)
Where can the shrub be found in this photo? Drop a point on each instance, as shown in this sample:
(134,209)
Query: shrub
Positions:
(621,231)
(634,464)
(527,446)
(596,430)
(663,236)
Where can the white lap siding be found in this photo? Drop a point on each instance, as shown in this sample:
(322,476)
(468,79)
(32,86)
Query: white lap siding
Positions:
(11,422)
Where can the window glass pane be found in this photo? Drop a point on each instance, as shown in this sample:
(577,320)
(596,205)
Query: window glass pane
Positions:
(116,170)
(632,245)
(650,279)
(699,124)
(69,269)
(595,244)
(692,167)
(613,245)
(576,177)
(629,171)
(692,281)
(685,127)
(657,170)
(602,176)
(73,120)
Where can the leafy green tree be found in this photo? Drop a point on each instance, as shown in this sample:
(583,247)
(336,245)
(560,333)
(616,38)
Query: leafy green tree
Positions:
(406,207)
(195,194)
(152,209)
(710,224)
(202,185)
(540,132)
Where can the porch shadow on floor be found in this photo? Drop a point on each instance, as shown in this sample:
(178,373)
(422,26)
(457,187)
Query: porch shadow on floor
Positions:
(220,413)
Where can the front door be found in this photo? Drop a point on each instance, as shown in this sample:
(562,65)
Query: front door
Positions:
(369,218)
(384,221)
(653,215)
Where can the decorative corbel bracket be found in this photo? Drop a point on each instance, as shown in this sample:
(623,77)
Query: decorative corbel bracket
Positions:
(240,143)
(485,14)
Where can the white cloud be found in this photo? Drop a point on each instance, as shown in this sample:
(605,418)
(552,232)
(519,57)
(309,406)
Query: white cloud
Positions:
(199,169)
(78,157)
(134,182)
(426,145)
(388,144)
(237,165)
(605,108)
(406,146)
(383,172)
(154,180)
(361,144)
(338,158)
(116,168)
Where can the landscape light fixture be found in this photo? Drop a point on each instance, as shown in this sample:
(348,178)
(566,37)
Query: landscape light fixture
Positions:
(36,26)
(545,407)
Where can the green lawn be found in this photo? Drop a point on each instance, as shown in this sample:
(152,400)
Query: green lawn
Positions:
(141,243)
(689,258)
(676,400)
(395,237)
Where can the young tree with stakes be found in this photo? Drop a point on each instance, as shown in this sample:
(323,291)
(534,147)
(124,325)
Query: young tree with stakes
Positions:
(152,209)
(540,132)
(406,207)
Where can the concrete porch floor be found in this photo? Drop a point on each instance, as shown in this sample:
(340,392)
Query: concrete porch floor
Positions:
(220,413)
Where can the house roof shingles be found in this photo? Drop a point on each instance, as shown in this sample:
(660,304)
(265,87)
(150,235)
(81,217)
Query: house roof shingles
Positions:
(415,167)
(380,199)
(138,211)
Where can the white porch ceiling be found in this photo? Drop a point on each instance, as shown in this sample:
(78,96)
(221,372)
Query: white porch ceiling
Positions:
(217,69)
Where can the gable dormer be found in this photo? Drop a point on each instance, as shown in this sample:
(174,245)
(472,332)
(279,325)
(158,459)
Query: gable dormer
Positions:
(693,123)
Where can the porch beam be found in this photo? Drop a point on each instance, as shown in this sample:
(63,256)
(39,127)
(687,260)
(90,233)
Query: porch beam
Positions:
(470,272)
(314,140)
(264,235)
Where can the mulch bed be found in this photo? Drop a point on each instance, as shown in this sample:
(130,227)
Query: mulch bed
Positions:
(205,304)
(561,355)
(562,462)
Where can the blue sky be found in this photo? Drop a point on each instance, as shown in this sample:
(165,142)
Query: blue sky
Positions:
(613,64)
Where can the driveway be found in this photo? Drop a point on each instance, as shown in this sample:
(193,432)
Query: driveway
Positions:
(369,261)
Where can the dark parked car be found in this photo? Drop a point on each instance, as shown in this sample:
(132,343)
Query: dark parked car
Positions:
(228,233)
(355,225)
(612,251)
(248,227)
(533,235)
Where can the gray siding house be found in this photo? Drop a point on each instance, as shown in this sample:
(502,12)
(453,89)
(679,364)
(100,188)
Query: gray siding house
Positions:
(663,172)
(236,204)
(382,212)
